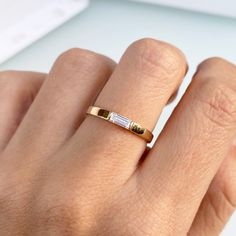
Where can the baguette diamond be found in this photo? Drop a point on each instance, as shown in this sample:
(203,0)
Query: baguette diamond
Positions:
(120,120)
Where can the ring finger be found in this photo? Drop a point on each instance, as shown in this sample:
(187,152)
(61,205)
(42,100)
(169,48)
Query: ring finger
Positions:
(148,74)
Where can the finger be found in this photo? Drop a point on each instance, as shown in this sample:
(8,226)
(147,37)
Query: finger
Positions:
(219,202)
(17,91)
(73,83)
(146,77)
(199,133)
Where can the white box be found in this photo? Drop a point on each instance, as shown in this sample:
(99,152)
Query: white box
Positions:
(219,7)
(23,22)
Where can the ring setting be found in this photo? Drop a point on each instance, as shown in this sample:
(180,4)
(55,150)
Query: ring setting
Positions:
(121,121)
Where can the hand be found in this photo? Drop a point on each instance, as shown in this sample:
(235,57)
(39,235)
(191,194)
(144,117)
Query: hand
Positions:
(65,173)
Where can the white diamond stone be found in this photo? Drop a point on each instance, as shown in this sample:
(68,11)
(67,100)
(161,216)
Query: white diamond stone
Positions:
(120,120)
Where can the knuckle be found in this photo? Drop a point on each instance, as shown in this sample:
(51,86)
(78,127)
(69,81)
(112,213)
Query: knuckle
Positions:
(218,99)
(76,58)
(153,54)
(213,61)
(75,55)
(217,65)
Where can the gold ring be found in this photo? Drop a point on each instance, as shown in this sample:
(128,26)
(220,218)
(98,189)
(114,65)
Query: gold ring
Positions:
(121,121)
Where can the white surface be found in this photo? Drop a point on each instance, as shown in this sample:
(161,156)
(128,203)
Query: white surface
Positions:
(110,26)
(23,22)
(225,8)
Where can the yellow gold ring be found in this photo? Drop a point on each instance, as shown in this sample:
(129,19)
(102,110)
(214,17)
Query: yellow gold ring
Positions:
(121,121)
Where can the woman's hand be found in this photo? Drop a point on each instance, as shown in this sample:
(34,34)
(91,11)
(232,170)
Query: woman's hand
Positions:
(65,173)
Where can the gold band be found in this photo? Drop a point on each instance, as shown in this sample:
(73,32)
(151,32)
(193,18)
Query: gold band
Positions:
(121,121)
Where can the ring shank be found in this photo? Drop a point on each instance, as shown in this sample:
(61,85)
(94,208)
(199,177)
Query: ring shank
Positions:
(122,122)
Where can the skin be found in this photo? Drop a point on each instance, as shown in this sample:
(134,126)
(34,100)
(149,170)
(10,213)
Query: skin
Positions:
(65,173)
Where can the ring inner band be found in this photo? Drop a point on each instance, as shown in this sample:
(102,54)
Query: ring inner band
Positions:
(121,121)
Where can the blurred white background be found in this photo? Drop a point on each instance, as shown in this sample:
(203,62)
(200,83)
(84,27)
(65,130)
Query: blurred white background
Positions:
(109,26)
(219,7)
